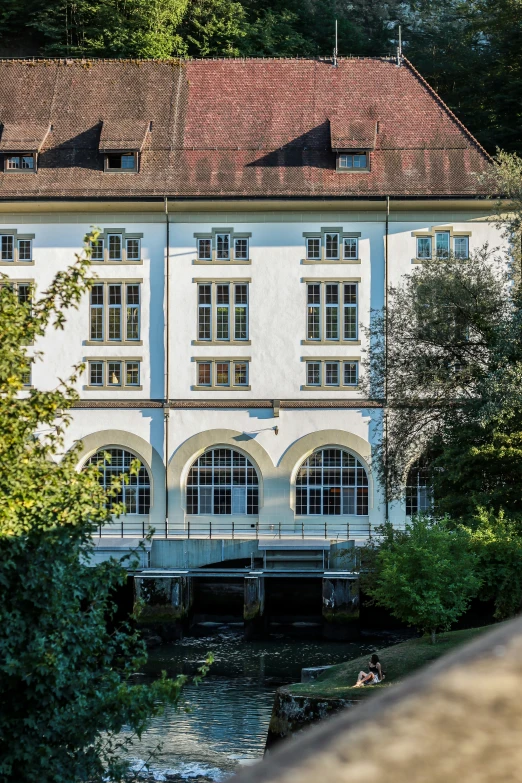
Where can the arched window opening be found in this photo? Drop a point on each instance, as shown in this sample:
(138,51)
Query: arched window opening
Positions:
(419,493)
(135,494)
(334,482)
(222,481)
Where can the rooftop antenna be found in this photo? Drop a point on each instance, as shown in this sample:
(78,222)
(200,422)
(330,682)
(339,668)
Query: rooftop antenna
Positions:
(399,48)
(335,48)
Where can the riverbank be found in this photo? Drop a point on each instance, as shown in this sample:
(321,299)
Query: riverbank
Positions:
(297,706)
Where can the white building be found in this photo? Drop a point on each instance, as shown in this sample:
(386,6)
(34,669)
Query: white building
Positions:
(251,212)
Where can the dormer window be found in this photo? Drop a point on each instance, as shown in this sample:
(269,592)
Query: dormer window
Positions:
(20,162)
(353,161)
(124,161)
(21,143)
(121,142)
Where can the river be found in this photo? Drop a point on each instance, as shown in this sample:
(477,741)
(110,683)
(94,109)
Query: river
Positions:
(222,724)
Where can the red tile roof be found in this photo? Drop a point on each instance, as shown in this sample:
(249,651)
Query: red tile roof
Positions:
(237,128)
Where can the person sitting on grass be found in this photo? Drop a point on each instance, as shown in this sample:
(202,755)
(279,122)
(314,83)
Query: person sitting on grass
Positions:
(373,676)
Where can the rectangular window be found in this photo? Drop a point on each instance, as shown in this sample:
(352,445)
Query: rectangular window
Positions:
(132,373)
(20,163)
(133,311)
(331,246)
(331,373)
(313,327)
(133,249)
(114,247)
(223,311)
(240,373)
(442,244)
(313,248)
(241,249)
(461,247)
(332,311)
(27,376)
(423,247)
(313,373)
(215,373)
(24,250)
(97,248)
(114,374)
(204,311)
(204,374)
(241,311)
(96,309)
(125,161)
(96,373)
(350,373)
(24,292)
(222,374)
(114,300)
(350,311)
(350,247)
(204,249)
(223,246)
(7,247)
(358,160)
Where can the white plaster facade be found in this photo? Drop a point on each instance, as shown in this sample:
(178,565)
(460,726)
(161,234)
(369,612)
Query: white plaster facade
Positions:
(277,329)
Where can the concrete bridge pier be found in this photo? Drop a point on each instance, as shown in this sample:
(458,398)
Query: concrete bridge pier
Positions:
(164,604)
(254,607)
(340,607)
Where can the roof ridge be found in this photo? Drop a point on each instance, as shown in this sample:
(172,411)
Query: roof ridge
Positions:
(447,108)
(223,58)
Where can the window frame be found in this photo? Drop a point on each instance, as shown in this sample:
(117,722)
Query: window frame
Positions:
(231,363)
(319,313)
(212,236)
(16,239)
(233,309)
(242,474)
(353,154)
(431,234)
(321,236)
(324,384)
(20,170)
(314,478)
(137,487)
(106,361)
(134,169)
(108,309)
(125,236)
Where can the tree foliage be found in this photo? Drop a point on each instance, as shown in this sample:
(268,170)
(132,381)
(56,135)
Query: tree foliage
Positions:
(66,665)
(425,575)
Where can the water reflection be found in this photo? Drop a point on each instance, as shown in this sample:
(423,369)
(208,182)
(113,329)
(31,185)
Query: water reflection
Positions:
(228,713)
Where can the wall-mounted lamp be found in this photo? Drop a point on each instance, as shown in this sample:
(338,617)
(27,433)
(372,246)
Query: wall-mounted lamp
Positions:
(276,430)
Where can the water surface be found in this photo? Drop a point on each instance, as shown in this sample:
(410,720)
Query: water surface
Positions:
(222,724)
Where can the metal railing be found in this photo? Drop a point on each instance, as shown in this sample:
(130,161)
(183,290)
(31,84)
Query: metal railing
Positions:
(221,528)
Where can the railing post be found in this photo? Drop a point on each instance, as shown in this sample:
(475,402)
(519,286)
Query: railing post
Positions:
(210,527)
(143,528)
(232,529)
(325,531)
(347,531)
(302,528)
(122,526)
(279,528)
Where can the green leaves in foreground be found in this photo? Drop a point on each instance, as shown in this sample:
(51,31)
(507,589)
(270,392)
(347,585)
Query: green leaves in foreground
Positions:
(66,664)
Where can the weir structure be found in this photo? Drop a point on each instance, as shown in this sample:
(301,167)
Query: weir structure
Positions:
(299,584)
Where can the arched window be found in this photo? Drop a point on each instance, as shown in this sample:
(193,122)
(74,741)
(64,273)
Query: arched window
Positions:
(136,494)
(222,481)
(332,481)
(418,489)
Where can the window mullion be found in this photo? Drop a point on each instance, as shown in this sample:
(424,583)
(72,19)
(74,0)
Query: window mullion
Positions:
(213,318)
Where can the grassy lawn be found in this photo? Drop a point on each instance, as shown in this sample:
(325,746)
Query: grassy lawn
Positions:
(397,661)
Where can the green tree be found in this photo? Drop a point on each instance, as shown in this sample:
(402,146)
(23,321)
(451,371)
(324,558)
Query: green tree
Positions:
(496,539)
(425,575)
(66,665)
